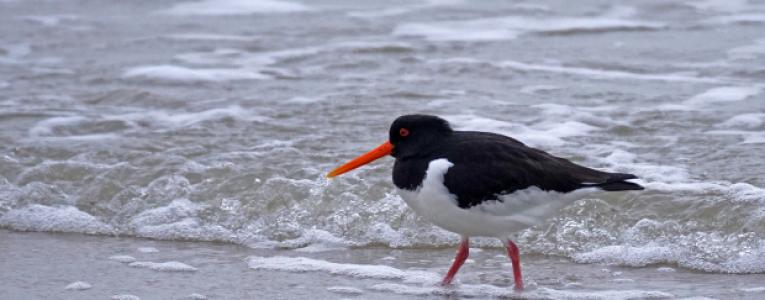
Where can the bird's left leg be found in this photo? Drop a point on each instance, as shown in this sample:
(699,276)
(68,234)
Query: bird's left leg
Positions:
(515,258)
(462,255)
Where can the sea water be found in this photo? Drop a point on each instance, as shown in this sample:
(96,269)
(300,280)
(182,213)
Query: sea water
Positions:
(217,120)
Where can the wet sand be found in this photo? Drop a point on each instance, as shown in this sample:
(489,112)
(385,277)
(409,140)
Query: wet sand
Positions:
(42,265)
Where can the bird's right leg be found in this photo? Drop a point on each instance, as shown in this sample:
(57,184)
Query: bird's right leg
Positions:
(515,258)
(462,255)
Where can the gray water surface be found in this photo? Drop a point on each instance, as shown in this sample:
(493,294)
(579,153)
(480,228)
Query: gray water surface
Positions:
(216,121)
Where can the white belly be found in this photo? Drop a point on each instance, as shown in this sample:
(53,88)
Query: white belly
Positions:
(517,211)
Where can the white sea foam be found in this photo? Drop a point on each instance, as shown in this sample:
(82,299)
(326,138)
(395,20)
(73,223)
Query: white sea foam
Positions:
(345,290)
(184,119)
(78,286)
(196,296)
(721,5)
(304,264)
(57,127)
(738,19)
(47,126)
(538,89)
(723,94)
(601,73)
(759,289)
(125,297)
(738,192)
(744,121)
(666,269)
(179,74)
(178,220)
(170,266)
(304,100)
(748,136)
(628,256)
(122,258)
(638,246)
(531,7)
(541,134)
(210,37)
(259,60)
(49,20)
(484,290)
(315,240)
(748,52)
(147,250)
(234,7)
(14,53)
(506,28)
(65,218)
(401,9)
(607,294)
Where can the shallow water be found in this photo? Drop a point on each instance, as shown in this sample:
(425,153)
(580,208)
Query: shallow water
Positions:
(73,266)
(202,121)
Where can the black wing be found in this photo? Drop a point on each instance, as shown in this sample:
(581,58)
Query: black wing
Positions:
(487,165)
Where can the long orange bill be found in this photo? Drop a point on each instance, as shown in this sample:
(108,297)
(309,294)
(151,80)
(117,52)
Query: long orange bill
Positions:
(380,151)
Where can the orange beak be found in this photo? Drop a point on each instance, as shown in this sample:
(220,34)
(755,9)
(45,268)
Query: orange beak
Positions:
(382,150)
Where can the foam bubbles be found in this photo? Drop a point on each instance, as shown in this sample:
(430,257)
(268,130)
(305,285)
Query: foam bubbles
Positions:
(401,9)
(723,94)
(125,297)
(179,74)
(752,18)
(744,121)
(720,5)
(315,240)
(544,134)
(147,250)
(234,7)
(78,286)
(49,20)
(178,220)
(304,264)
(600,73)
(170,266)
(122,258)
(14,53)
(345,290)
(209,37)
(748,52)
(38,217)
(484,290)
(507,28)
(627,256)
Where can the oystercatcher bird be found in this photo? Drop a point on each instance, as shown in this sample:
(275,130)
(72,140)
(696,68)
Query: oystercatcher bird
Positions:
(480,183)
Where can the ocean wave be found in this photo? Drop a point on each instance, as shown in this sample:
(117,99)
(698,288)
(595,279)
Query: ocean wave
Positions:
(251,197)
(508,28)
(234,7)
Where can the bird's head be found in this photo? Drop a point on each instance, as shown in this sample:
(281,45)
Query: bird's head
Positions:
(409,136)
(414,134)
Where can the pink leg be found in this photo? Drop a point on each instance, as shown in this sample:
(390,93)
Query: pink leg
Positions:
(462,255)
(515,257)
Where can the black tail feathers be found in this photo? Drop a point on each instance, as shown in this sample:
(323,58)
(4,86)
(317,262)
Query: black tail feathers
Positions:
(620,186)
(617,182)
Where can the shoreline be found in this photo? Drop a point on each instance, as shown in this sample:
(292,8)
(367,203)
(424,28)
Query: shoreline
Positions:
(76,266)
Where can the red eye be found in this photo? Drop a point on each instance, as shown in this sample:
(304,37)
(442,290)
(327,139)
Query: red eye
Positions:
(403,132)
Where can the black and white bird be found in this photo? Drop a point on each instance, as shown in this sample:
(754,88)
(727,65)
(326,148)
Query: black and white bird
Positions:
(481,184)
